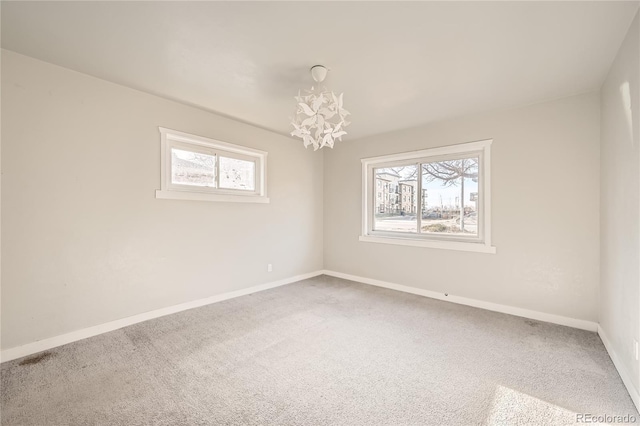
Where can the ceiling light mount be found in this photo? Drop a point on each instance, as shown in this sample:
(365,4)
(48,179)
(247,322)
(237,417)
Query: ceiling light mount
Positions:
(319,73)
(319,119)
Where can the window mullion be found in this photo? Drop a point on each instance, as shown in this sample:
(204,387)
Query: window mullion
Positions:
(374,198)
(419,198)
(216,169)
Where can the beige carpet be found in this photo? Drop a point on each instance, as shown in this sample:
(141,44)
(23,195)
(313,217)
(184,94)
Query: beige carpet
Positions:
(324,351)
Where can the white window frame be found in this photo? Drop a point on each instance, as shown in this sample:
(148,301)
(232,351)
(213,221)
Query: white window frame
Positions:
(175,139)
(480,243)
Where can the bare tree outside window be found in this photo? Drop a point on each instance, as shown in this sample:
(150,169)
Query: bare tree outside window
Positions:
(436,197)
(446,200)
(454,173)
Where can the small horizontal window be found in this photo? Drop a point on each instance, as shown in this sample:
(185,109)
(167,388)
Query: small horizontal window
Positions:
(432,198)
(198,168)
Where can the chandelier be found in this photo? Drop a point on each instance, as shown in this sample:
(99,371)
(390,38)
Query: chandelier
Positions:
(320,118)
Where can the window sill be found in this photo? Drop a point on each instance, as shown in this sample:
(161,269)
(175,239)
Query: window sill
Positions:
(445,245)
(195,196)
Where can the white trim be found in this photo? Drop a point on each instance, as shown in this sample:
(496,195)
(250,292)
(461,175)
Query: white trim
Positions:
(625,374)
(208,142)
(519,312)
(52,342)
(203,196)
(486,196)
(438,244)
(480,243)
(461,148)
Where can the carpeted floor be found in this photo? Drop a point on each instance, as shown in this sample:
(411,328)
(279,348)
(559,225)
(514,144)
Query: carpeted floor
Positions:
(323,351)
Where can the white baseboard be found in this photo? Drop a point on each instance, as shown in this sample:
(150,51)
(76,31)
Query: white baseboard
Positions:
(52,342)
(519,312)
(624,373)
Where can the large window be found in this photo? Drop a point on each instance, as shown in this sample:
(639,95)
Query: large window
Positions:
(436,198)
(197,168)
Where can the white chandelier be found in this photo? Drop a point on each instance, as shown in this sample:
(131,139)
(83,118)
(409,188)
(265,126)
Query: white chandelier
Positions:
(320,118)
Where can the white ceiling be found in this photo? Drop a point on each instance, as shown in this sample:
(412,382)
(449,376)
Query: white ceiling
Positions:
(399,64)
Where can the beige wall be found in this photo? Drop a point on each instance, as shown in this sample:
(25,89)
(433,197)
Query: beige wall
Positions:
(84,241)
(545,186)
(620,203)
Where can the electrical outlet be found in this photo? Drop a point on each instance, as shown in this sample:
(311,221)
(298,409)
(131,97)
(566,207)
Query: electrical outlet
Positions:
(269,268)
(635,348)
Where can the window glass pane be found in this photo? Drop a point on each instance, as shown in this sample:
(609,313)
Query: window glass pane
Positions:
(395,199)
(450,197)
(237,174)
(192,168)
